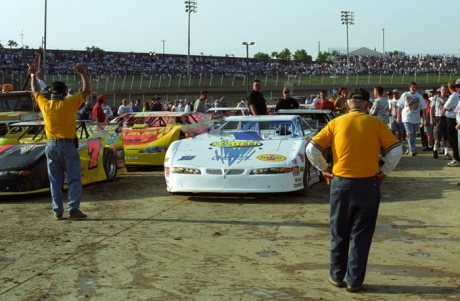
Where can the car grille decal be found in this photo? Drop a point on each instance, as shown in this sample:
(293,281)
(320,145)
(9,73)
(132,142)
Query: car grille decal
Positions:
(212,171)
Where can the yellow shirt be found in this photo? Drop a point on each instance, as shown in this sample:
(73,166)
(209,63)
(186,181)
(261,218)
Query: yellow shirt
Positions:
(355,139)
(60,115)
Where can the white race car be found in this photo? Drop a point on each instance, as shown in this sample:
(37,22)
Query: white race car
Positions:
(245,154)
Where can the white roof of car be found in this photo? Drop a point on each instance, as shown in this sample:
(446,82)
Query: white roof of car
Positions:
(262,118)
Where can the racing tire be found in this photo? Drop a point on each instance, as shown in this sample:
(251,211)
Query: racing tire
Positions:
(306,176)
(110,164)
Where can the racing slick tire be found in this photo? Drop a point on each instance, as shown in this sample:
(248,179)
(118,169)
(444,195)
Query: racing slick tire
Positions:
(110,164)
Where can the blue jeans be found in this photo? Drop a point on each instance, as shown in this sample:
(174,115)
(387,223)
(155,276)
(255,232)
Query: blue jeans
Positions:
(411,130)
(63,159)
(354,209)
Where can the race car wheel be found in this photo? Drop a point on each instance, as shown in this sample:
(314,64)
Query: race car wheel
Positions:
(110,164)
(306,176)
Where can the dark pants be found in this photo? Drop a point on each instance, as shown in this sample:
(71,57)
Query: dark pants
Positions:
(354,210)
(452,135)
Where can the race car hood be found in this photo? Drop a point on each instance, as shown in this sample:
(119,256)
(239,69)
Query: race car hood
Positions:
(223,153)
(18,116)
(20,157)
(147,136)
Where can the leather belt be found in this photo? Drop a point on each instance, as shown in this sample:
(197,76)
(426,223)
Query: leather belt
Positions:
(60,140)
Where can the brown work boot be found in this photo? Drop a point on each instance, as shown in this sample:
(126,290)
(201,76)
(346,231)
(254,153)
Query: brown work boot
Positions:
(77,214)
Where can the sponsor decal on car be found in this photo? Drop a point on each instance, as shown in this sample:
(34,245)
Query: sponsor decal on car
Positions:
(302,157)
(166,159)
(233,155)
(236,143)
(296,171)
(131,157)
(298,180)
(297,185)
(295,162)
(271,157)
(186,158)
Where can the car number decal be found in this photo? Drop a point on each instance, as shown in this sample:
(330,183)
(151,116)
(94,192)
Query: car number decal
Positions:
(236,143)
(94,148)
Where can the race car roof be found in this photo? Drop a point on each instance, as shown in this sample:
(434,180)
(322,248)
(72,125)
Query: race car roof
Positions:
(262,118)
(167,114)
(228,109)
(301,111)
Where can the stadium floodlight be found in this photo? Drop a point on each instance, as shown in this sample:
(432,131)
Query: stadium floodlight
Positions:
(190,7)
(247,44)
(348,18)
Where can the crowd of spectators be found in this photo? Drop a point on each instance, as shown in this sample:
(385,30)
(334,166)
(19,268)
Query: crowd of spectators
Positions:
(116,64)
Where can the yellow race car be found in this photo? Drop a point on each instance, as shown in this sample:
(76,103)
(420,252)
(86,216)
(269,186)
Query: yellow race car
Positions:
(147,135)
(23,168)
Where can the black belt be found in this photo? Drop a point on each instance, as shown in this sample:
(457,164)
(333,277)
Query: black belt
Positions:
(440,117)
(60,140)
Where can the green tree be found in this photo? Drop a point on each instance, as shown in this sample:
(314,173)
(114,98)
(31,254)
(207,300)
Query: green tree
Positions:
(324,57)
(302,56)
(94,48)
(1,45)
(261,55)
(285,55)
(12,44)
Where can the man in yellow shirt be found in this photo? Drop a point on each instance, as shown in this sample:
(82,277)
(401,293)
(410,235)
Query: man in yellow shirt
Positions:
(355,139)
(59,114)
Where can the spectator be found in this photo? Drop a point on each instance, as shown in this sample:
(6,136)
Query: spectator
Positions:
(157,107)
(134,107)
(411,108)
(287,102)
(439,119)
(380,109)
(146,107)
(256,100)
(98,112)
(355,183)
(428,126)
(63,160)
(341,100)
(85,111)
(200,103)
(124,107)
(324,104)
(450,108)
(222,102)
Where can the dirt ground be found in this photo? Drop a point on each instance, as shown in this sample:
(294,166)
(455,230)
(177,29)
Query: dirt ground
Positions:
(140,243)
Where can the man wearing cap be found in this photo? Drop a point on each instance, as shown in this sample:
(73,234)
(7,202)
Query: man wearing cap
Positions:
(395,126)
(63,160)
(355,139)
(439,120)
(411,107)
(287,102)
(451,113)
(98,112)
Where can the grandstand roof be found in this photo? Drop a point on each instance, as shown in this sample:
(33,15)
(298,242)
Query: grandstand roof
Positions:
(365,51)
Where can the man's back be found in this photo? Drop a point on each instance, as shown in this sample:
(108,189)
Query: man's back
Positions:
(355,139)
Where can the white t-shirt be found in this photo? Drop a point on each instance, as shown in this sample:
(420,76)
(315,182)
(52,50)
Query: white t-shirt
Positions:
(124,109)
(411,104)
(107,110)
(451,104)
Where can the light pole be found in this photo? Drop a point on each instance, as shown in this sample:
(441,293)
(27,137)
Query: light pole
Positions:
(383,36)
(44,42)
(347,19)
(247,64)
(190,7)
(163,48)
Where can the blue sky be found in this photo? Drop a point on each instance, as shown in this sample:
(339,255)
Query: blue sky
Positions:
(219,27)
